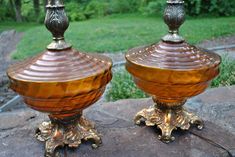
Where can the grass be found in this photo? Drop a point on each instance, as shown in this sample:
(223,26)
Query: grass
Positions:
(19,27)
(122,86)
(121,32)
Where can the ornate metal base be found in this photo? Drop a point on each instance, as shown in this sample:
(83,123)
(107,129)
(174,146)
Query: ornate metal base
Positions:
(168,119)
(59,133)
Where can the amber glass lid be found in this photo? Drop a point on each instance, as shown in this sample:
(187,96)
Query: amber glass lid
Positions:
(173,52)
(175,56)
(60,66)
(59,63)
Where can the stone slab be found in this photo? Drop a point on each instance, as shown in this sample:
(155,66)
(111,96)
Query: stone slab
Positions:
(121,138)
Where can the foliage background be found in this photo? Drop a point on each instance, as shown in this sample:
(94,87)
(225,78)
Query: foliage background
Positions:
(33,10)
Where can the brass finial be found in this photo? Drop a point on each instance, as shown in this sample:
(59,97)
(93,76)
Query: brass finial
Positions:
(57,22)
(174,17)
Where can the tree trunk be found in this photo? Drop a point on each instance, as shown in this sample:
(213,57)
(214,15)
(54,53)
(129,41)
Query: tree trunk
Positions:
(18,11)
(16,5)
(45,3)
(36,5)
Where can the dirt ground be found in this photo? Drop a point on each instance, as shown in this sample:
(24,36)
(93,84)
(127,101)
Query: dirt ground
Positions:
(9,40)
(221,41)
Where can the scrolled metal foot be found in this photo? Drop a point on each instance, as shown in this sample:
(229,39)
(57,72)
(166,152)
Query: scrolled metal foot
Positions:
(195,120)
(167,120)
(59,133)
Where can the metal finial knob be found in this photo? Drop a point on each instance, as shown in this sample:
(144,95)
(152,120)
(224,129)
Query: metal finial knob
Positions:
(174,17)
(57,22)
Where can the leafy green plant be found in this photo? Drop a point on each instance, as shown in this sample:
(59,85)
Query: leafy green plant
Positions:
(123,87)
(125,6)
(227,73)
(5,12)
(96,9)
(154,7)
(210,7)
(75,11)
